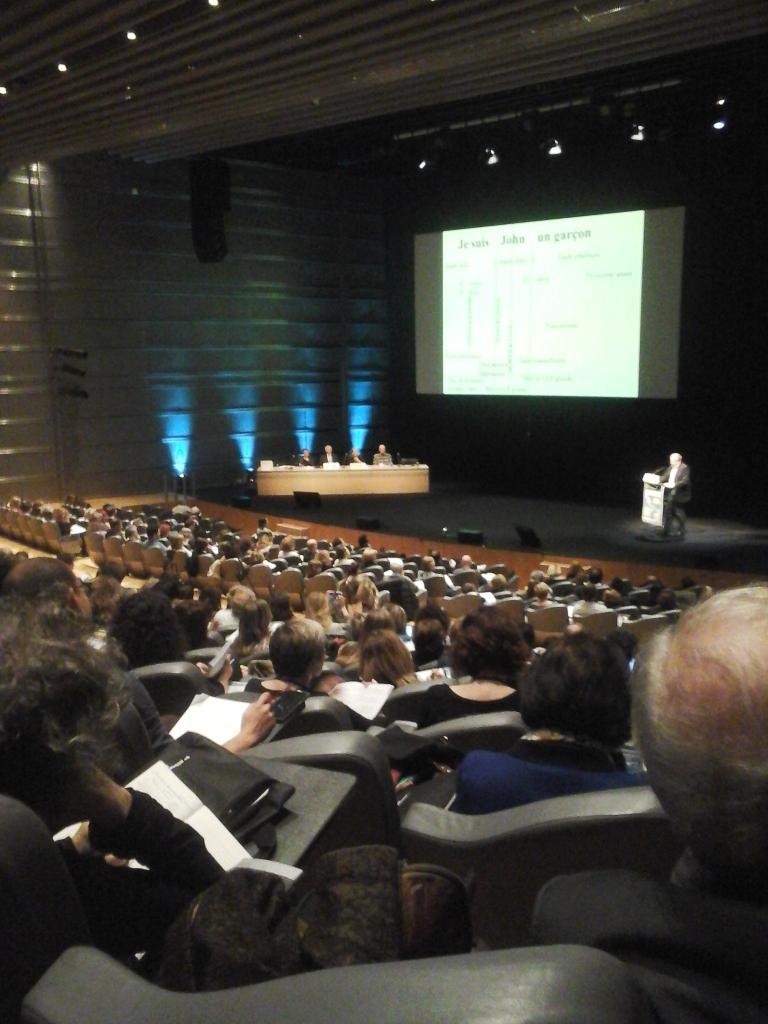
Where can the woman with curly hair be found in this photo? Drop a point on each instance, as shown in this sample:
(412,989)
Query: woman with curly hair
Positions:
(489,649)
(60,703)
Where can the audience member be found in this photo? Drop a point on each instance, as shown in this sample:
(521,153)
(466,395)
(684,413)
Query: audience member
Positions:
(575,701)
(698,943)
(489,649)
(384,658)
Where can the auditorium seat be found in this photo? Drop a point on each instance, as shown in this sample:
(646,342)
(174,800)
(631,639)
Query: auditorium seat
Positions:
(259,579)
(324,581)
(556,984)
(647,627)
(113,554)
(405,703)
(133,553)
(461,605)
(599,623)
(172,685)
(513,853)
(94,546)
(231,571)
(154,561)
(513,608)
(62,544)
(565,588)
(435,586)
(495,731)
(498,569)
(548,622)
(319,714)
(369,814)
(462,576)
(291,582)
(179,562)
(629,611)
(204,564)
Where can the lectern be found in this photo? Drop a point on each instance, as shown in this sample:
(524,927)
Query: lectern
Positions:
(653,500)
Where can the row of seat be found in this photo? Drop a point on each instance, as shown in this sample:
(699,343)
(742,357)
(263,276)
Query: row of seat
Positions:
(37,533)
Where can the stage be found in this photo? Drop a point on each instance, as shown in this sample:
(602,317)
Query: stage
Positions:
(567,530)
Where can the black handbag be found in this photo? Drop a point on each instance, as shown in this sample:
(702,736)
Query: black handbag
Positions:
(247,801)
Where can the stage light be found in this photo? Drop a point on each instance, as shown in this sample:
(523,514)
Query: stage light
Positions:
(62,67)
(131,35)
(490,157)
(213,3)
(719,124)
(638,133)
(3,90)
(554,148)
(720,101)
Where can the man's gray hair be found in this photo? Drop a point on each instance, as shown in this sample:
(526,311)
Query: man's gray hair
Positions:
(700,711)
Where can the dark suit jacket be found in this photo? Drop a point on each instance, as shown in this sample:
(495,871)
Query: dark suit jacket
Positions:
(700,957)
(681,492)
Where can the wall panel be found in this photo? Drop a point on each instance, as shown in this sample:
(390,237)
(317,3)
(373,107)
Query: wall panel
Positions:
(205,368)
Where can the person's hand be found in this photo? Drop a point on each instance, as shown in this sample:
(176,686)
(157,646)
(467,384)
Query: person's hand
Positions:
(256,724)
(225,675)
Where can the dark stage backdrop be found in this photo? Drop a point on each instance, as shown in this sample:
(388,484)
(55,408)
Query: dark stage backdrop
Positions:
(590,449)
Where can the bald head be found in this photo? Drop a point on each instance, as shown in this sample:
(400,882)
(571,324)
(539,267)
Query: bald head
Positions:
(701,721)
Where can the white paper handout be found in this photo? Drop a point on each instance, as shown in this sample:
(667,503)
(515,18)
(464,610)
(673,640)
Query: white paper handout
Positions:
(367,699)
(213,717)
(159,782)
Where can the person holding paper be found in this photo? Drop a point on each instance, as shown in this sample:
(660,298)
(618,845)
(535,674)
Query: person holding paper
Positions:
(60,703)
(676,481)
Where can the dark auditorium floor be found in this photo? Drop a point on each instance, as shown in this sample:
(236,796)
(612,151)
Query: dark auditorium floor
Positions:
(583,531)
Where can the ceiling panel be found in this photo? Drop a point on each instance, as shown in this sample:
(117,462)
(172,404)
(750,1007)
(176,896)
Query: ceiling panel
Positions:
(200,77)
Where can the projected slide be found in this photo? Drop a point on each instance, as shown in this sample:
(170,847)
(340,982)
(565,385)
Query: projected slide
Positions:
(544,308)
(567,307)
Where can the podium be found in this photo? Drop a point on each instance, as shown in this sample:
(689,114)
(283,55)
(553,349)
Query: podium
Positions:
(653,500)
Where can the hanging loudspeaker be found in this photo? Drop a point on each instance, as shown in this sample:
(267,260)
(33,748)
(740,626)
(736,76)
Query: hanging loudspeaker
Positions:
(208,202)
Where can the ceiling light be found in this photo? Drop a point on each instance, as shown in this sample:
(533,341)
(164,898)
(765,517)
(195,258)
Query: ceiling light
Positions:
(638,133)
(3,90)
(719,124)
(554,148)
(213,3)
(490,157)
(720,101)
(131,35)
(62,67)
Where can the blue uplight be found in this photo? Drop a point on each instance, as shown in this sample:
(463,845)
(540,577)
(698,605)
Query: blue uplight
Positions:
(246,445)
(243,422)
(305,425)
(179,449)
(359,422)
(177,439)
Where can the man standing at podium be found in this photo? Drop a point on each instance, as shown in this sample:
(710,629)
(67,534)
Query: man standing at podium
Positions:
(676,480)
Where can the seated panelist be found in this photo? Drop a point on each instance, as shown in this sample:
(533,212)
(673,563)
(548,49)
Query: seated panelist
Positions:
(353,456)
(328,455)
(382,456)
(305,459)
